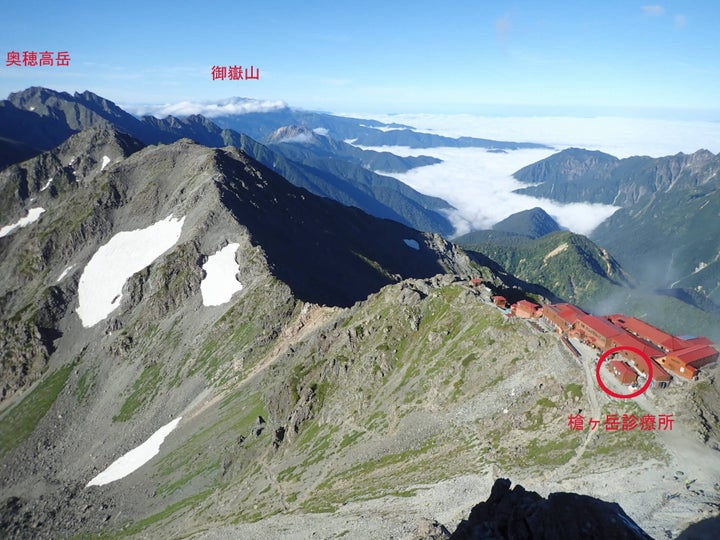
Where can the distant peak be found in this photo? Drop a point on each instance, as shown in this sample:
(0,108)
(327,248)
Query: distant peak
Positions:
(534,223)
(298,134)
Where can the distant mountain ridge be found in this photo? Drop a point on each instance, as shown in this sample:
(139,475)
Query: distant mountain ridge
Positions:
(59,115)
(665,233)
(354,373)
(577,175)
(293,142)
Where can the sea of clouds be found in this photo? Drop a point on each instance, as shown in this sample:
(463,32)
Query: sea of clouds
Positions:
(479,184)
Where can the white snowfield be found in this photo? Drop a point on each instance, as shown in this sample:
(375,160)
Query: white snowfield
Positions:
(135,458)
(47,184)
(64,273)
(101,283)
(105,162)
(219,283)
(33,215)
(412,243)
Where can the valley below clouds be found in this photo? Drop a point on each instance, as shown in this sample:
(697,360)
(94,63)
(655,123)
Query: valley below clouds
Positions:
(479,184)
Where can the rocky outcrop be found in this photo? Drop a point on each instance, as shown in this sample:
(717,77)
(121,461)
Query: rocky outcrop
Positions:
(429,529)
(525,515)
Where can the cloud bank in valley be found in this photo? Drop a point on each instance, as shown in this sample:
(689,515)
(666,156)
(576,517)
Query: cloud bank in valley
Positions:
(480,184)
(621,137)
(229,106)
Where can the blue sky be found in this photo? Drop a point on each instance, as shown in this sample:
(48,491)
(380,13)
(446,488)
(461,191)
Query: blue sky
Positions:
(524,57)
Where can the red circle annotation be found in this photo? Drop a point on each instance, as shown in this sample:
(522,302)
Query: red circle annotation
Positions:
(638,352)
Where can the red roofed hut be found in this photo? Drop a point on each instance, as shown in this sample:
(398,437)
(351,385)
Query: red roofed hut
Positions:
(623,372)
(500,301)
(563,316)
(695,356)
(596,331)
(676,367)
(660,377)
(527,310)
(628,340)
(648,332)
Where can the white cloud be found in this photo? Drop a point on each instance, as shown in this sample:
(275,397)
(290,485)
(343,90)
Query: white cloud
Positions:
(479,185)
(621,137)
(653,10)
(229,106)
(299,138)
(680,21)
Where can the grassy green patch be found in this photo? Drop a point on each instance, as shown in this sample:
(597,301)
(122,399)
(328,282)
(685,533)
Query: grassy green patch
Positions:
(573,390)
(144,390)
(135,528)
(349,439)
(21,420)
(85,384)
(545,402)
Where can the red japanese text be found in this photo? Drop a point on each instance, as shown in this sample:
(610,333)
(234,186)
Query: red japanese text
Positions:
(234,73)
(624,422)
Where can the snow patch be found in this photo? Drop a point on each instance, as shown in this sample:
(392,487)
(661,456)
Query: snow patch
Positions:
(105,162)
(101,283)
(135,458)
(47,184)
(33,216)
(219,283)
(64,273)
(321,131)
(412,243)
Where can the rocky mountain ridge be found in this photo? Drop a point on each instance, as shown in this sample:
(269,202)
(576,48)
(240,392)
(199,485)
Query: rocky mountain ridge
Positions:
(577,175)
(57,115)
(356,376)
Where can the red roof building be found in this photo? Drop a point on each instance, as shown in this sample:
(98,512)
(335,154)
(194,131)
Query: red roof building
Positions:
(563,316)
(623,372)
(660,377)
(596,331)
(676,367)
(695,356)
(628,340)
(527,310)
(700,340)
(648,332)
(500,301)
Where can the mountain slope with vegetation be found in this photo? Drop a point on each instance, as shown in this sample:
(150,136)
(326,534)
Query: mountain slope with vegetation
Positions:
(343,377)
(661,234)
(575,269)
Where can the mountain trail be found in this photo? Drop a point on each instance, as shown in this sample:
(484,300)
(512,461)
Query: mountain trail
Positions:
(310,319)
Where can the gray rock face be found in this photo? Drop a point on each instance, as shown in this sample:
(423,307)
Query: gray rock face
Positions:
(161,346)
(524,515)
(429,529)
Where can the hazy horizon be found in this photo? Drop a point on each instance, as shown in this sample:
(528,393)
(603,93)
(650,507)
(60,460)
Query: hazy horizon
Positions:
(611,58)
